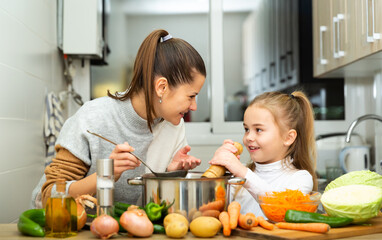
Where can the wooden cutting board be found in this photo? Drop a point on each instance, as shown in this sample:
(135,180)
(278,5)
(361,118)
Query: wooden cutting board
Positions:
(373,226)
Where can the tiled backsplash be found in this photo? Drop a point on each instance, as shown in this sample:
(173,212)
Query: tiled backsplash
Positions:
(30,67)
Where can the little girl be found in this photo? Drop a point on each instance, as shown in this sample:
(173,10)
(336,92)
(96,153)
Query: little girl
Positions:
(279,136)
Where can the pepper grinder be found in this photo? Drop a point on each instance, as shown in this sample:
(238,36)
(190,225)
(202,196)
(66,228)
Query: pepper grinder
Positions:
(105,187)
(215,171)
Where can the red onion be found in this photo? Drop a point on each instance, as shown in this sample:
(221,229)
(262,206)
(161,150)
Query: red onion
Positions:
(104,226)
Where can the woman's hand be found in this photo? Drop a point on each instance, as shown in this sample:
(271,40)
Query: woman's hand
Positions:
(224,156)
(183,161)
(123,160)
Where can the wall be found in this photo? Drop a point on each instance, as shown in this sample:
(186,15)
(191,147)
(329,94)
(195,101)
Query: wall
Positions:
(30,67)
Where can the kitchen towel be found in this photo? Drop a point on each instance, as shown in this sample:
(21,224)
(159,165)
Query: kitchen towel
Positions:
(52,124)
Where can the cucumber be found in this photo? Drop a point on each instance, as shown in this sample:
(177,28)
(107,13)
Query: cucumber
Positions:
(295,216)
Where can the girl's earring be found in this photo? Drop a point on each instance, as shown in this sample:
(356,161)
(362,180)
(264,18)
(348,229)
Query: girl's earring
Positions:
(160,100)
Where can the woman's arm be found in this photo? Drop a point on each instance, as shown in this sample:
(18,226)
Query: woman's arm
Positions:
(64,166)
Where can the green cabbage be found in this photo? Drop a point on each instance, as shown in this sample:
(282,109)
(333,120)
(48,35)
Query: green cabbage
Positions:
(360,202)
(364,177)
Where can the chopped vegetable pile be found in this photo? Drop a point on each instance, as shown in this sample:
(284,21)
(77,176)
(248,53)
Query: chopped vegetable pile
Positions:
(275,204)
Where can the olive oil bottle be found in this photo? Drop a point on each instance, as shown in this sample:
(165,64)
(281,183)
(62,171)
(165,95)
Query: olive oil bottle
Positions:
(61,213)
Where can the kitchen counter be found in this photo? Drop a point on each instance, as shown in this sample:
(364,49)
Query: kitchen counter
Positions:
(10,232)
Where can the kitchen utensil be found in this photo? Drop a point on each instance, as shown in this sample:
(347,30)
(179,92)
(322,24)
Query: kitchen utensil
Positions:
(355,158)
(189,193)
(329,147)
(177,173)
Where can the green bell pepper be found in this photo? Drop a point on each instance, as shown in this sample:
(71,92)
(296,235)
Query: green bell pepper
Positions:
(32,222)
(166,207)
(154,211)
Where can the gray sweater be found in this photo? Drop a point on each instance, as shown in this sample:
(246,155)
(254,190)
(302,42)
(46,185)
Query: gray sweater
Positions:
(118,121)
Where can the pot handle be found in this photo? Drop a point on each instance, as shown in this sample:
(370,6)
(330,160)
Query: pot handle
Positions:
(236,181)
(135,181)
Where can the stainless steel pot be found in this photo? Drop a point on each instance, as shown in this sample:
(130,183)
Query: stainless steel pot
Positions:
(189,193)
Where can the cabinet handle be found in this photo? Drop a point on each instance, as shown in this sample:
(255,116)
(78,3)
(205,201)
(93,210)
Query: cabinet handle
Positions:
(264,79)
(272,74)
(323,61)
(375,35)
(340,17)
(336,36)
(371,38)
(281,69)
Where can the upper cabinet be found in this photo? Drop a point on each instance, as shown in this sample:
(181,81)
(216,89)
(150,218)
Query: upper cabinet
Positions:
(271,34)
(344,32)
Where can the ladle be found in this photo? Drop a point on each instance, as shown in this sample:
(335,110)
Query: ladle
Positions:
(177,173)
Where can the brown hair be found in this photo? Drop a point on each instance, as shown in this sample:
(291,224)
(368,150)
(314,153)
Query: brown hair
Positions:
(174,59)
(293,111)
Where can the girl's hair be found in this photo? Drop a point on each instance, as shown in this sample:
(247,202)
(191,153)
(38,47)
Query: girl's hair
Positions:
(171,58)
(293,111)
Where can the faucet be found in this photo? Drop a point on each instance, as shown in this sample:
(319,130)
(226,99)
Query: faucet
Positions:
(358,120)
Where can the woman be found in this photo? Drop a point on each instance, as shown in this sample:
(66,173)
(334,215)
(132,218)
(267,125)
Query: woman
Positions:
(146,119)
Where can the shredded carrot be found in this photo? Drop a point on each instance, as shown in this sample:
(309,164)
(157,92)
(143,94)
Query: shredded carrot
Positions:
(275,204)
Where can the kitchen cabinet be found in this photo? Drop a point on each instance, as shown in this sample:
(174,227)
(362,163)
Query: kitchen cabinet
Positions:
(344,32)
(271,32)
(83,28)
(369,20)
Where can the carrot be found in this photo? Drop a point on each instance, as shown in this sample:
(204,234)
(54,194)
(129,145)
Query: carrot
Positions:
(275,204)
(219,193)
(211,213)
(215,205)
(264,223)
(247,221)
(224,219)
(234,213)
(310,227)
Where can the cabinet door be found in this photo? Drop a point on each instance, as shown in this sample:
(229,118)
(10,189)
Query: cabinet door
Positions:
(272,62)
(343,32)
(369,27)
(292,42)
(322,37)
(281,43)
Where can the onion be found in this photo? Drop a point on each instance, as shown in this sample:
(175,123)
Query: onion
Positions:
(137,223)
(81,216)
(104,226)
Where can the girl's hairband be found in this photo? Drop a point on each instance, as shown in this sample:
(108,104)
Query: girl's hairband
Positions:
(167,37)
(291,96)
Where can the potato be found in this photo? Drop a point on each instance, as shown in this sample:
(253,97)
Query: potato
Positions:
(205,226)
(174,217)
(176,229)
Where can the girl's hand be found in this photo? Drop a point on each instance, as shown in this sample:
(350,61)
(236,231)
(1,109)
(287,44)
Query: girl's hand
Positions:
(183,161)
(123,160)
(224,156)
